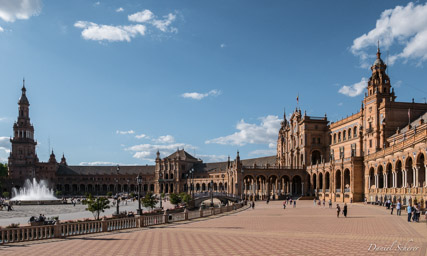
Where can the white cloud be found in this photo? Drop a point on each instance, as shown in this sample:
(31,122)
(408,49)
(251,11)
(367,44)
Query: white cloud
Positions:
(5,142)
(340,104)
(142,16)
(93,31)
(1,29)
(141,136)
(4,149)
(125,132)
(223,45)
(405,26)
(199,96)
(19,9)
(120,9)
(212,158)
(264,133)
(163,25)
(148,151)
(354,89)
(263,152)
(165,139)
(97,3)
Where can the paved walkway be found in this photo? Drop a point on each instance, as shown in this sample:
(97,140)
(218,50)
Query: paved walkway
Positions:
(267,230)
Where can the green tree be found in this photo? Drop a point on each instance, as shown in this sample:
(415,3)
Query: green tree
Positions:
(96,205)
(3,170)
(109,194)
(185,197)
(58,193)
(149,200)
(6,194)
(175,199)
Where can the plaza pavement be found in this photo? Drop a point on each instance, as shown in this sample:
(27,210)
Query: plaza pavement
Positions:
(266,230)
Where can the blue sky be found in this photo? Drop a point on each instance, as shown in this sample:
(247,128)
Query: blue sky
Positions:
(113,81)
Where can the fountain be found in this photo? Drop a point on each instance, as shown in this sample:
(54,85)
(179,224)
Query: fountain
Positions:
(34,193)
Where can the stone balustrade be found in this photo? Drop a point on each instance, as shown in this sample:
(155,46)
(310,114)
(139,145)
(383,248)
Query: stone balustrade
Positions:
(62,230)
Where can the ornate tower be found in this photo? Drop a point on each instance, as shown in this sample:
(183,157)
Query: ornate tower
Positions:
(23,158)
(379,94)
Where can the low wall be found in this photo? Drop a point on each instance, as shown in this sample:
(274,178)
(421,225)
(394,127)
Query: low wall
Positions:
(63,230)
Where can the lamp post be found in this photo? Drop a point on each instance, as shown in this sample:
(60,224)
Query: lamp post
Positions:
(117,189)
(139,181)
(212,204)
(191,182)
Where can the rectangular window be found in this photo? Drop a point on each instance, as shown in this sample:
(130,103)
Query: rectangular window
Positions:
(370,143)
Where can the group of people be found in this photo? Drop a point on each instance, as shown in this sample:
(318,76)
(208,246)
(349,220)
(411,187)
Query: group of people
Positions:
(344,210)
(414,211)
(289,201)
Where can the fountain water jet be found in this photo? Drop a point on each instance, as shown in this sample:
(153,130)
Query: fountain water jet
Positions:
(34,193)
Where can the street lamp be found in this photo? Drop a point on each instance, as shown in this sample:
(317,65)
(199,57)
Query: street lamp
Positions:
(212,204)
(117,189)
(139,181)
(191,182)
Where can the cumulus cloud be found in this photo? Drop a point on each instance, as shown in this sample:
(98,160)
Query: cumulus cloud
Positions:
(354,89)
(19,9)
(263,133)
(148,151)
(4,149)
(125,132)
(199,96)
(213,158)
(165,139)
(164,25)
(93,31)
(405,26)
(120,9)
(1,29)
(141,136)
(142,16)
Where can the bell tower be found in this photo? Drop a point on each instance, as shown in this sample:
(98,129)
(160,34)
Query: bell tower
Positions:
(379,94)
(23,156)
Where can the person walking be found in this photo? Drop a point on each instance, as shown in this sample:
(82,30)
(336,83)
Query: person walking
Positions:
(409,210)
(344,211)
(338,210)
(323,203)
(398,208)
(314,201)
(330,203)
(284,205)
(253,205)
(392,208)
(295,203)
(417,213)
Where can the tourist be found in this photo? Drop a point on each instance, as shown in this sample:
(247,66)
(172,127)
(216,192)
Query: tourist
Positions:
(392,208)
(295,203)
(398,208)
(338,210)
(324,203)
(413,213)
(351,200)
(417,213)
(253,205)
(409,210)
(344,211)
(268,200)
(284,205)
(330,203)
(314,201)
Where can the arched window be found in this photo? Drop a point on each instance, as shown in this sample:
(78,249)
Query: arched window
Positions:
(349,133)
(339,137)
(355,132)
(343,135)
(335,138)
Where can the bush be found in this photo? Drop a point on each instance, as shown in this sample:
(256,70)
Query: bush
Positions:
(175,199)
(96,205)
(6,194)
(13,225)
(132,195)
(109,194)
(58,193)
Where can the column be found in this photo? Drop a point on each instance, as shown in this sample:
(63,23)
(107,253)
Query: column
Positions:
(414,177)
(404,178)
(376,180)
(386,180)
(369,182)
(290,188)
(425,174)
(416,170)
(393,176)
(302,188)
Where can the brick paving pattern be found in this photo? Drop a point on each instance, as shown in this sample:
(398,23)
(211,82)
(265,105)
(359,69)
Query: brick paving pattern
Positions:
(267,230)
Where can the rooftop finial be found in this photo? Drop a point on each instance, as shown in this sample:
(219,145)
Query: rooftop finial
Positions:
(378,50)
